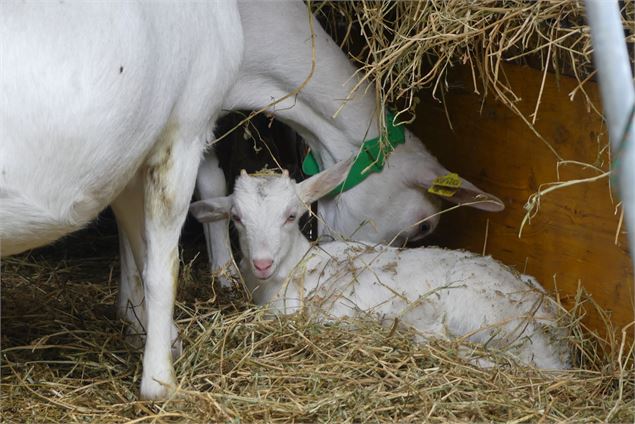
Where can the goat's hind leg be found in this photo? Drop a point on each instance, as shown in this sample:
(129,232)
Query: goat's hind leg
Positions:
(170,175)
(129,211)
(130,306)
(130,302)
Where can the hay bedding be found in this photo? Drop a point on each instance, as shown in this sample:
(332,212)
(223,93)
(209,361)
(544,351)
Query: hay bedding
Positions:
(64,359)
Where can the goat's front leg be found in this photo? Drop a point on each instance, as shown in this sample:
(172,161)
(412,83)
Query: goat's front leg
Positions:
(170,176)
(210,183)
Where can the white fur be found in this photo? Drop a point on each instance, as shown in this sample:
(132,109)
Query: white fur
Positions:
(113,103)
(438,292)
(386,207)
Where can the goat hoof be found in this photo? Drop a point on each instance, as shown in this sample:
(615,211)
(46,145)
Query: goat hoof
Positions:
(225,276)
(155,389)
(223,282)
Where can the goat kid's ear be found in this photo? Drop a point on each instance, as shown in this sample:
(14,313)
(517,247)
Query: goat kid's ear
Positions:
(322,183)
(467,192)
(214,209)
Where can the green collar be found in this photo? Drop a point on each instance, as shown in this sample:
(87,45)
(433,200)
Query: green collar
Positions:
(370,159)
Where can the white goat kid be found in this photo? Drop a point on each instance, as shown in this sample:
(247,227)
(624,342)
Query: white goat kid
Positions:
(278,56)
(112,104)
(440,293)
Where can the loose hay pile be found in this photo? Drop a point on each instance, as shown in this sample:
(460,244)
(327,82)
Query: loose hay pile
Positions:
(407,46)
(64,359)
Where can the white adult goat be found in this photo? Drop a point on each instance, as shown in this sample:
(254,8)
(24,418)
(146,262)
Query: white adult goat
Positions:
(440,293)
(112,104)
(278,57)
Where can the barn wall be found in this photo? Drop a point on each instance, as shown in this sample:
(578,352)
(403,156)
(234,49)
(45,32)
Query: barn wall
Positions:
(572,239)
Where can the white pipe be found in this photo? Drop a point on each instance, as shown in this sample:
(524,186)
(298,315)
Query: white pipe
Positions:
(618,98)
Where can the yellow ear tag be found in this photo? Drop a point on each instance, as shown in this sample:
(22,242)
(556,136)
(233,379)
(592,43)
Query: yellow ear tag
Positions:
(446,185)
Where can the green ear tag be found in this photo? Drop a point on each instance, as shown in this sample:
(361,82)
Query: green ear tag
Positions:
(446,185)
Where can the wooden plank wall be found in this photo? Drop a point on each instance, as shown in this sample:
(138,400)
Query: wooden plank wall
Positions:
(572,239)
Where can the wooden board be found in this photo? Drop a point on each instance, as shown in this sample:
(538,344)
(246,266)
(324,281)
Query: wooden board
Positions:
(572,238)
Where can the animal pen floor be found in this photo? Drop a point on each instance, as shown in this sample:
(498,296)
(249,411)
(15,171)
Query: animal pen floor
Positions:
(64,358)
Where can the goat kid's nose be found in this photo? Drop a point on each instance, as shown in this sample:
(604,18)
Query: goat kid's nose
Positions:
(262,264)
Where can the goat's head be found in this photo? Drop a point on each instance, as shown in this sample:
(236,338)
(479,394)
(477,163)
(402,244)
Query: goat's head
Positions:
(394,206)
(265,211)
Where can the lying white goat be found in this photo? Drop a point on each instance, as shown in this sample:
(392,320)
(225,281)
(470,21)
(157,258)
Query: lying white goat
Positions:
(112,104)
(278,52)
(440,293)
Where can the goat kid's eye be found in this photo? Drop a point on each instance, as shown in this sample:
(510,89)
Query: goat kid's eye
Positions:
(291,218)
(236,218)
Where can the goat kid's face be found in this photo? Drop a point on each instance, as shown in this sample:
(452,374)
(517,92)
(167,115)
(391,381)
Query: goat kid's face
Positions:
(265,210)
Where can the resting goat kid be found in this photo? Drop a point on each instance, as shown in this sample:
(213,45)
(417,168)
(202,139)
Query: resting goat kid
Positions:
(438,292)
